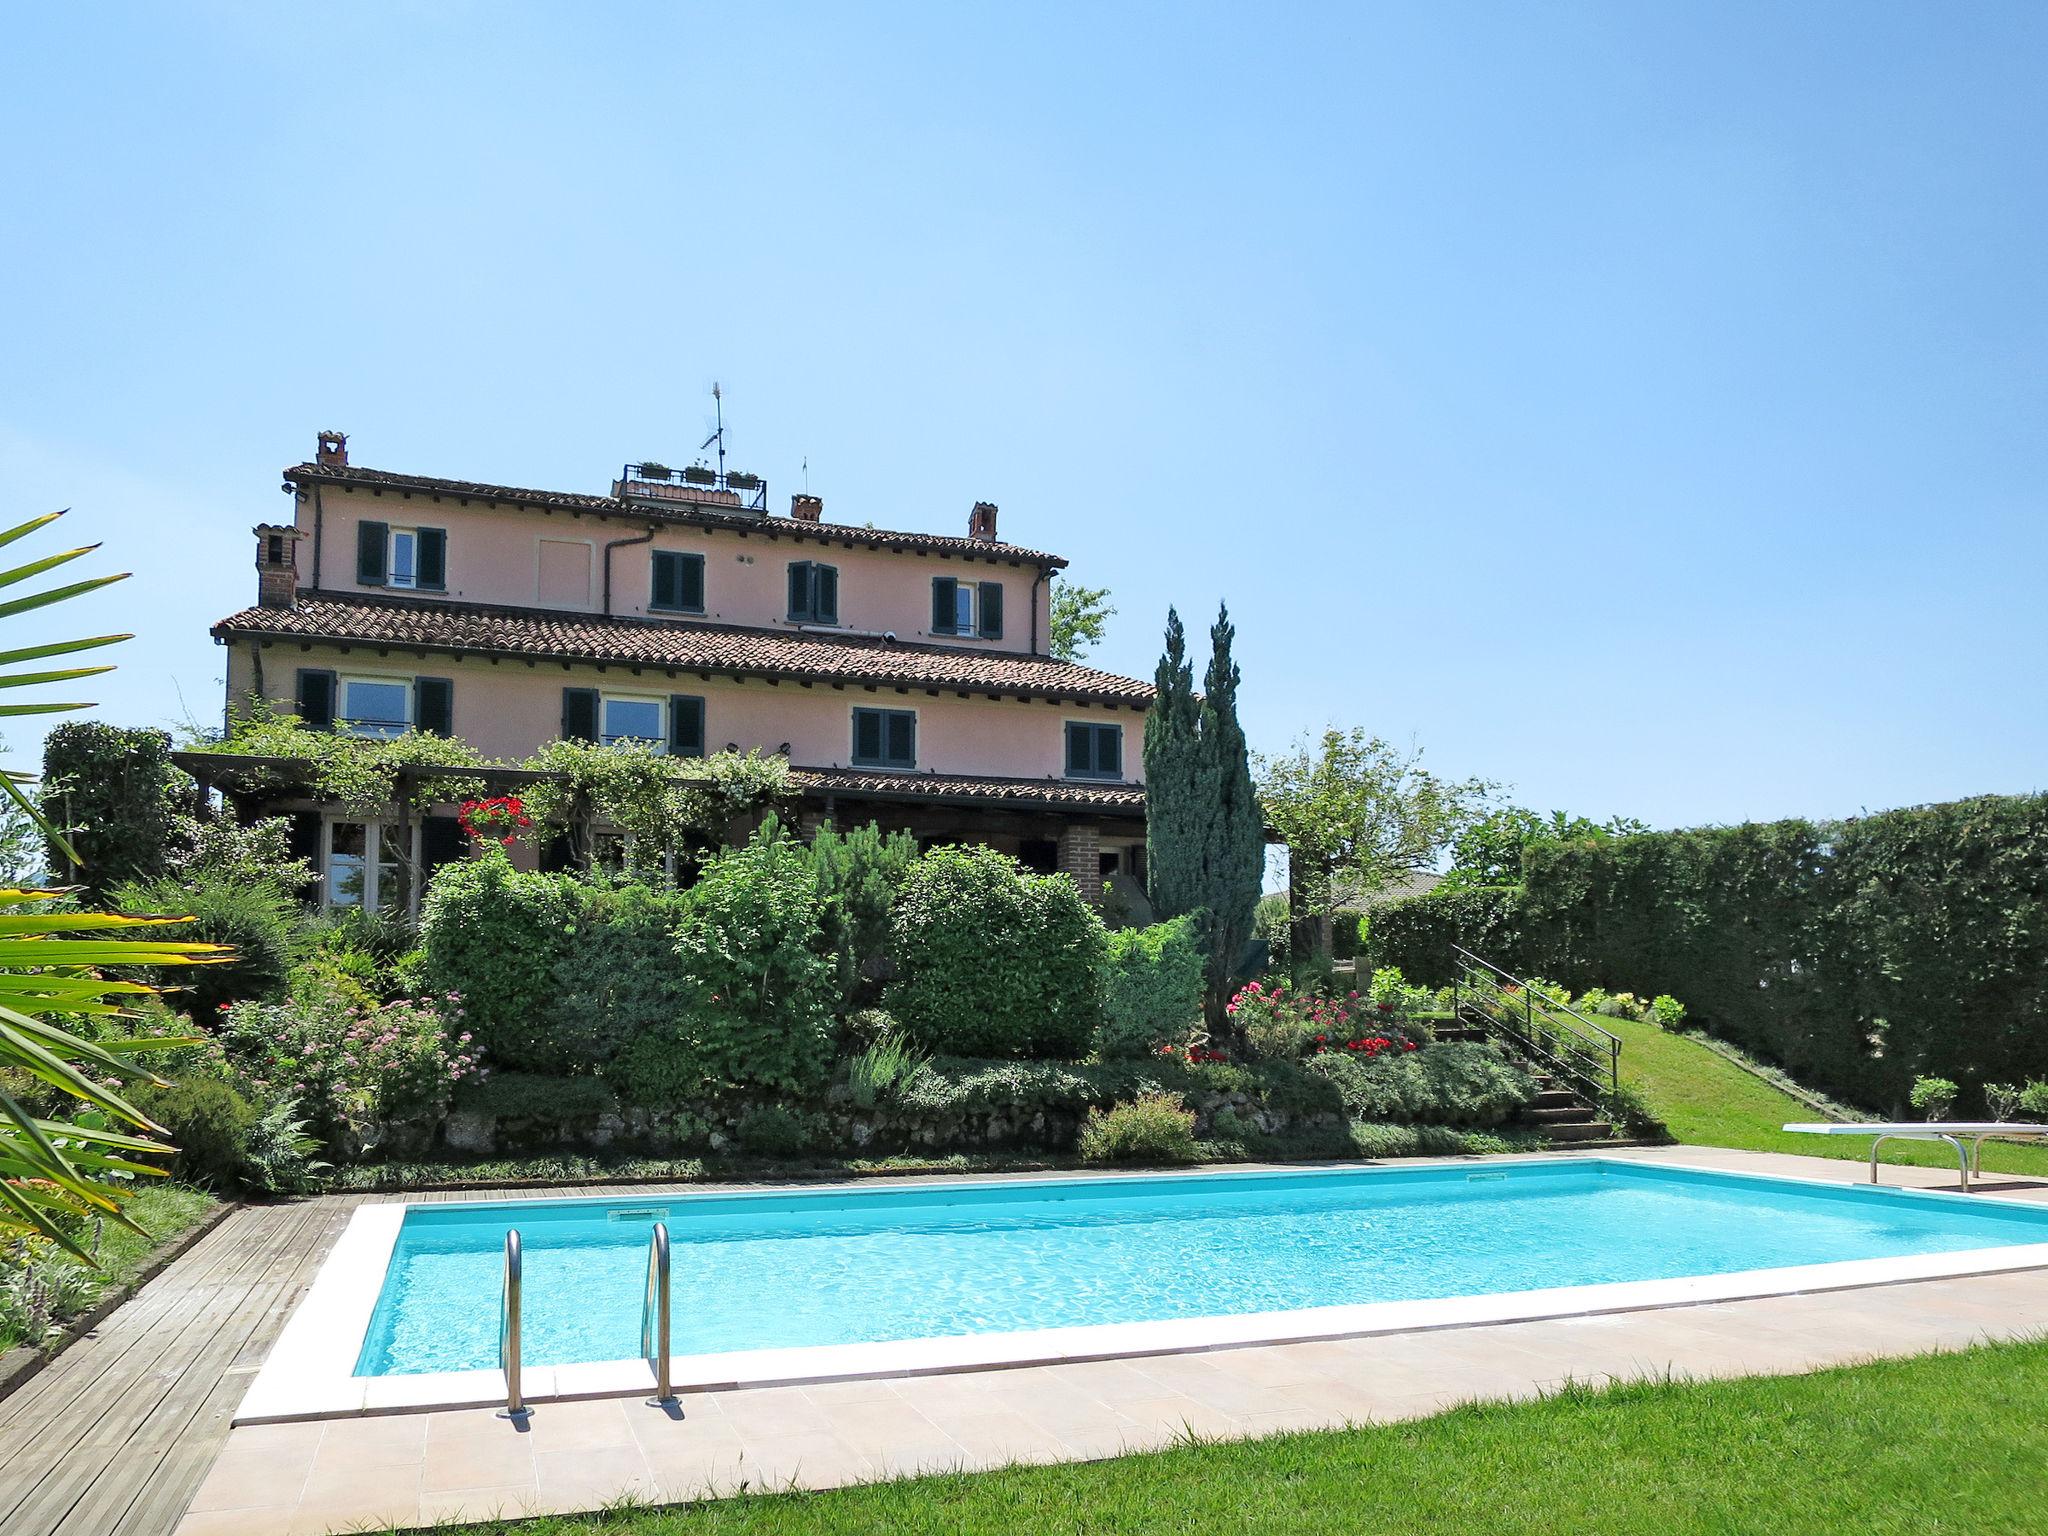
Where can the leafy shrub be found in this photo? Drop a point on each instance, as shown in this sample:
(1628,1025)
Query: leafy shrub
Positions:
(759,993)
(2034,1101)
(993,961)
(859,872)
(350,1069)
(209,1124)
(1667,1010)
(886,1064)
(1390,992)
(255,921)
(114,795)
(1934,1097)
(617,975)
(1152,1128)
(775,1130)
(1271,922)
(1282,1022)
(529,1096)
(493,936)
(1152,989)
(243,853)
(1456,1083)
(948,1086)
(2002,1100)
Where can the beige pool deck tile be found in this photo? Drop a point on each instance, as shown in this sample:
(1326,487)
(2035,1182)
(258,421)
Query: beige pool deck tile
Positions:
(472,1505)
(590,1477)
(598,1425)
(475,1461)
(255,1475)
(803,1461)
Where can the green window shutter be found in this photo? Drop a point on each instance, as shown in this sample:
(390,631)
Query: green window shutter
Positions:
(902,739)
(668,587)
(442,841)
(825,593)
(991,606)
(433,705)
(1109,751)
(690,582)
(945,601)
(685,725)
(867,736)
(372,540)
(315,697)
(431,563)
(579,714)
(1078,756)
(799,589)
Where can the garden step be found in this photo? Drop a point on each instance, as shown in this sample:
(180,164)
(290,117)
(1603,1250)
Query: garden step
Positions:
(1558,1114)
(1589,1130)
(1556,1098)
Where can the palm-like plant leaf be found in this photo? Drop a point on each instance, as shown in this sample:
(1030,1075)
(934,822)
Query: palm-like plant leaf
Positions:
(52,1171)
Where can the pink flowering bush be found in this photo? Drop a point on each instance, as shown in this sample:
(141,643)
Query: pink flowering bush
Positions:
(353,1069)
(1283,1023)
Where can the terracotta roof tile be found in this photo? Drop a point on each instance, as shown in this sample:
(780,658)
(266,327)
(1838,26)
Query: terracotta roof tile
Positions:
(733,650)
(365,478)
(853,782)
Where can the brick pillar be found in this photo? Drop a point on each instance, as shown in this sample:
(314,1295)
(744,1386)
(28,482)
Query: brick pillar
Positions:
(808,823)
(277,576)
(1080,856)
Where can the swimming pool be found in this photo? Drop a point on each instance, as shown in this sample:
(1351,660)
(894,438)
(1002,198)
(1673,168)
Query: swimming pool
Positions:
(790,1270)
(815,1284)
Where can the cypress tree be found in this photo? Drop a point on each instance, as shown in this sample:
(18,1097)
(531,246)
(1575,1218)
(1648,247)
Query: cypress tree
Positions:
(1204,833)
(1235,837)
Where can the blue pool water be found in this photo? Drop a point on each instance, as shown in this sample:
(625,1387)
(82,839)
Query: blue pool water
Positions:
(772,1270)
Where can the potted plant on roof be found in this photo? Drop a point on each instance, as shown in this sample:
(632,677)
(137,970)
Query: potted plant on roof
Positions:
(700,474)
(654,469)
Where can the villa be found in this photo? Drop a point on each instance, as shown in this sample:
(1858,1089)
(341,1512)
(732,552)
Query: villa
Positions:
(908,677)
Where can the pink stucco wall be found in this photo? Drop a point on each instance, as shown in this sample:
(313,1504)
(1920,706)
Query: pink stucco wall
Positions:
(496,555)
(508,708)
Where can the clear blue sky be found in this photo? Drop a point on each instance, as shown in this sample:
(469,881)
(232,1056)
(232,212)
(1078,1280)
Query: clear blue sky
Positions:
(1639,404)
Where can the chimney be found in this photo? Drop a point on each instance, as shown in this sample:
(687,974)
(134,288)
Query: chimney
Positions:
(981,522)
(333,450)
(805,508)
(277,572)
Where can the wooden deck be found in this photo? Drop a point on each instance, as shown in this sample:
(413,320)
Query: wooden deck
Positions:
(116,1435)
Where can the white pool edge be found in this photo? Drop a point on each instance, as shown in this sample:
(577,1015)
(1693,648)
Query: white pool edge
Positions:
(309,1372)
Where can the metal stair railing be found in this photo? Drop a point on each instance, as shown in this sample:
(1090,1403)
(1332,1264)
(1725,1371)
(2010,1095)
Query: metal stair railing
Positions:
(1551,1033)
(654,1315)
(509,1342)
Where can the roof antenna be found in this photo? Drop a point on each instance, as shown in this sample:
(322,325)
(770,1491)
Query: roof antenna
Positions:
(718,434)
(807,474)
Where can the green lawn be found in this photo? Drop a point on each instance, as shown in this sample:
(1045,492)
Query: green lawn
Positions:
(165,1210)
(1927,1446)
(1708,1100)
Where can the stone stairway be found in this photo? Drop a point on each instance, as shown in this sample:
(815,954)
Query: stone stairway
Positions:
(1562,1115)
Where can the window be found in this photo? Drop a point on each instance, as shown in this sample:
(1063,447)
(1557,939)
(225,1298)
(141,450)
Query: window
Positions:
(1094,751)
(375,706)
(967,607)
(678,582)
(633,719)
(885,738)
(672,725)
(813,593)
(414,559)
(354,878)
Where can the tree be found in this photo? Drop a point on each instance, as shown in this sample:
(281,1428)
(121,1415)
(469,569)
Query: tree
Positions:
(1489,851)
(1204,833)
(1080,618)
(1351,805)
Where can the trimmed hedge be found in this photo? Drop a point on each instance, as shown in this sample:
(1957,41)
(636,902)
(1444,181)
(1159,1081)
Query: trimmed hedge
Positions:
(1857,954)
(494,935)
(113,793)
(1415,935)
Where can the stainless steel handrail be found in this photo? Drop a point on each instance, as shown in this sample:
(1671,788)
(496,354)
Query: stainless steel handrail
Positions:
(509,1344)
(1560,1021)
(654,1313)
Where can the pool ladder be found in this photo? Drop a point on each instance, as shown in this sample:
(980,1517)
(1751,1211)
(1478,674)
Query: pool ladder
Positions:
(654,1321)
(508,1327)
